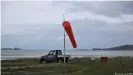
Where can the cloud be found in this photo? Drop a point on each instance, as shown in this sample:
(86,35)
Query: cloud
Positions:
(20,17)
(108,8)
(38,25)
(95,33)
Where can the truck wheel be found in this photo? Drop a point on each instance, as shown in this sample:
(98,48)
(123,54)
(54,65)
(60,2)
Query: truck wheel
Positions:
(66,60)
(43,61)
(60,61)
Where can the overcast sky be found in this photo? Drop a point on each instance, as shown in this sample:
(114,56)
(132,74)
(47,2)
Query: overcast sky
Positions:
(38,24)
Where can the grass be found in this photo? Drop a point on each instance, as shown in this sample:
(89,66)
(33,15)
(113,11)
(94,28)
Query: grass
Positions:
(77,66)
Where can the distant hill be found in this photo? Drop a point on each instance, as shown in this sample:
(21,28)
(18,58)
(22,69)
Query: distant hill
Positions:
(11,48)
(81,49)
(124,47)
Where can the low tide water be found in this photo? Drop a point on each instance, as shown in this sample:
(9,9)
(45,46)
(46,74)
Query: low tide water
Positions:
(14,54)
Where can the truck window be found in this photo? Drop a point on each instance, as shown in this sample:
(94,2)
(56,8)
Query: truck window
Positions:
(54,52)
(59,53)
(51,52)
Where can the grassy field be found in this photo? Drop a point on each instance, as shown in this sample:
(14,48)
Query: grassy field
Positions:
(77,66)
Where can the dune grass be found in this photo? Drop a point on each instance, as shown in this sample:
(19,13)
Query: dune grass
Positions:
(77,66)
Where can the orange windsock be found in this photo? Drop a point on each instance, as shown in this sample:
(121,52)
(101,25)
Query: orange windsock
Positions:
(68,29)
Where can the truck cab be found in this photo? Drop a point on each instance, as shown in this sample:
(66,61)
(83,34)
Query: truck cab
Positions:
(54,56)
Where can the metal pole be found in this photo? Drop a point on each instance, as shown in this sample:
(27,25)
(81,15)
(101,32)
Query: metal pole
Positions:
(64,48)
(64,42)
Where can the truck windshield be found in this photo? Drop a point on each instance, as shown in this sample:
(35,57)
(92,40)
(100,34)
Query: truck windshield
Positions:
(51,52)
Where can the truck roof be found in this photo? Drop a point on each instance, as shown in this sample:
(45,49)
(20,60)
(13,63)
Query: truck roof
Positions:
(56,50)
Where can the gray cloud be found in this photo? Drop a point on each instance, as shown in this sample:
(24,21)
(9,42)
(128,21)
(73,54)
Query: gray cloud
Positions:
(100,24)
(94,33)
(108,8)
(89,34)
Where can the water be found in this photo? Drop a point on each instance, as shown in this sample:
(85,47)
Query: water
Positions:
(13,54)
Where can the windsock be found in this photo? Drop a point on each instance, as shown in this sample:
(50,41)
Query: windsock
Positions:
(68,29)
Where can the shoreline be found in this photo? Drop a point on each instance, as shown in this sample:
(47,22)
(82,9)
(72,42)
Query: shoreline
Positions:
(72,57)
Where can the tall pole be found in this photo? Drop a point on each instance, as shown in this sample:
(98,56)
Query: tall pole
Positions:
(64,47)
(64,41)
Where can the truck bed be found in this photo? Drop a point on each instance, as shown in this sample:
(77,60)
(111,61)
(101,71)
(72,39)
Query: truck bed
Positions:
(63,56)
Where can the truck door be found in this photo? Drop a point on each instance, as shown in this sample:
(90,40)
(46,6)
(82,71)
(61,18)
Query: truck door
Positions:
(51,56)
(54,56)
(59,52)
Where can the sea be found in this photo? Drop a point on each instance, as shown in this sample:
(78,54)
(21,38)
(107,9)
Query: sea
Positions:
(17,54)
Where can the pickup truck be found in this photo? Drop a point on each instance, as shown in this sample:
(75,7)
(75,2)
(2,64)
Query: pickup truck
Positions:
(54,56)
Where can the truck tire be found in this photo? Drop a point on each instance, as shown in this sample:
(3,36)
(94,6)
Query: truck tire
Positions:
(43,61)
(60,60)
(66,60)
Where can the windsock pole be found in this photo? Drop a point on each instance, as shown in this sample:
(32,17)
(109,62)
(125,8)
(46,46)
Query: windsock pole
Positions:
(64,41)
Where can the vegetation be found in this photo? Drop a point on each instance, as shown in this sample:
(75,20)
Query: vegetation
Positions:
(124,47)
(77,66)
(11,48)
